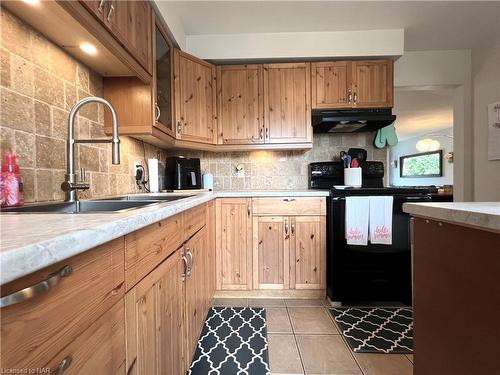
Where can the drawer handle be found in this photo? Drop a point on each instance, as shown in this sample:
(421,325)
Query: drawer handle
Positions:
(190,264)
(288,199)
(37,289)
(64,365)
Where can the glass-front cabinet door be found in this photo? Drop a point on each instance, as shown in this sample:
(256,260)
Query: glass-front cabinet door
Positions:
(163,79)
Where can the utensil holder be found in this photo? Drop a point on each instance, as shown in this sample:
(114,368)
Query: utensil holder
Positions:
(352,177)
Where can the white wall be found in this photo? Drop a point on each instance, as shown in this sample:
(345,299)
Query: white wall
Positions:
(407,147)
(297,44)
(450,68)
(486,89)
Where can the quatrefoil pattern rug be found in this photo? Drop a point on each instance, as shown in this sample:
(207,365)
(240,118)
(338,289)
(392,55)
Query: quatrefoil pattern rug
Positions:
(233,341)
(376,330)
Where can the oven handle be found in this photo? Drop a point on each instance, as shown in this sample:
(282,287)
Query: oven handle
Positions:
(410,198)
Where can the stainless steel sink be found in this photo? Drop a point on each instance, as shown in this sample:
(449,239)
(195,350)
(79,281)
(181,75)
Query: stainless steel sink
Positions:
(148,197)
(97,206)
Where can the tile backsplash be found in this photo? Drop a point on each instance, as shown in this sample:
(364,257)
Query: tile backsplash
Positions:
(39,83)
(279,169)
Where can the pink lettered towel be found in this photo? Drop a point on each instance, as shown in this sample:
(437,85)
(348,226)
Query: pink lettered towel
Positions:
(381,220)
(356,220)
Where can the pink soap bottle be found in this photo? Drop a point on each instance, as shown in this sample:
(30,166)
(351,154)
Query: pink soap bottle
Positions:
(11,182)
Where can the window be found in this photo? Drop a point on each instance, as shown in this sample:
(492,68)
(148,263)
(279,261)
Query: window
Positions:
(425,164)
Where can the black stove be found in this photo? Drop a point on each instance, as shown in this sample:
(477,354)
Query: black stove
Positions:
(372,273)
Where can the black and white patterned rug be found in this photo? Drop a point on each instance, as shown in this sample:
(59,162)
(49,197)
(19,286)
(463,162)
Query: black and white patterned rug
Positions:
(233,341)
(376,330)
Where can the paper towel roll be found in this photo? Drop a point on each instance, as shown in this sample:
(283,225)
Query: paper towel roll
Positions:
(153,175)
(208,181)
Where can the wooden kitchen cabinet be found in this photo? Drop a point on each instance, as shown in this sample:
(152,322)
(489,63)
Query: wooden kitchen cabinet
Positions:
(36,330)
(372,84)
(197,293)
(331,84)
(129,22)
(98,350)
(287,103)
(154,314)
(307,252)
(271,243)
(239,104)
(195,98)
(352,84)
(234,244)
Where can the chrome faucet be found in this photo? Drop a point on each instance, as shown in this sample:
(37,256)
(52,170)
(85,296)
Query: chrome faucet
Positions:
(70,186)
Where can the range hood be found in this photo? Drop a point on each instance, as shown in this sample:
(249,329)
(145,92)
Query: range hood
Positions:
(351,120)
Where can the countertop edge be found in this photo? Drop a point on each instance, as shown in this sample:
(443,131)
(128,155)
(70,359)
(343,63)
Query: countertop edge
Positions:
(458,213)
(21,261)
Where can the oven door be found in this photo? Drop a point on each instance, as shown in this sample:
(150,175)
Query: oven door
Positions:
(374,272)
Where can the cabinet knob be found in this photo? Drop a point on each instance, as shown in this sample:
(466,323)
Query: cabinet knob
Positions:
(64,365)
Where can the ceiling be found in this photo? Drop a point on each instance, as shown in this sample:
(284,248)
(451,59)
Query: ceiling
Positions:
(420,112)
(429,25)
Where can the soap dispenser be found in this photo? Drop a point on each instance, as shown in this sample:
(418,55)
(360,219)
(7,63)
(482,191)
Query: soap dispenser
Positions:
(11,183)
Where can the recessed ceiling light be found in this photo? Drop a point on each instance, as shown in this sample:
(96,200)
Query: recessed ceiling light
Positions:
(88,48)
(32,2)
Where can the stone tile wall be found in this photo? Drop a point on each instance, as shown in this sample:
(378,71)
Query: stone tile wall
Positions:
(39,83)
(279,169)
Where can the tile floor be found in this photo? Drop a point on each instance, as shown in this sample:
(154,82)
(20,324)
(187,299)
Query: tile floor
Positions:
(304,339)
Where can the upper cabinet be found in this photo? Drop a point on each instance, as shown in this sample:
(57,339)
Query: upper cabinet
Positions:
(264,104)
(194,90)
(352,84)
(287,103)
(239,104)
(130,23)
(331,84)
(372,84)
(162,79)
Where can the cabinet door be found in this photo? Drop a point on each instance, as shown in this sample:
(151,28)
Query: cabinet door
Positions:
(196,306)
(234,244)
(107,335)
(194,98)
(287,103)
(154,321)
(372,84)
(139,31)
(330,84)
(307,252)
(96,7)
(239,107)
(271,237)
(163,83)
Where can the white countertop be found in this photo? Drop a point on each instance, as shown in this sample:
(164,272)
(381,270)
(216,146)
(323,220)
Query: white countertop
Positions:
(30,242)
(480,215)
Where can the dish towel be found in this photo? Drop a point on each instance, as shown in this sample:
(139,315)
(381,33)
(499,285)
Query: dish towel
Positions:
(381,220)
(356,220)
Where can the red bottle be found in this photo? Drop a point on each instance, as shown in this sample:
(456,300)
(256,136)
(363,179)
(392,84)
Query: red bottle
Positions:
(11,182)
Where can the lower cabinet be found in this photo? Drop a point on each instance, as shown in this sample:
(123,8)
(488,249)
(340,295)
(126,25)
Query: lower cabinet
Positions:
(154,320)
(289,252)
(271,243)
(234,244)
(107,335)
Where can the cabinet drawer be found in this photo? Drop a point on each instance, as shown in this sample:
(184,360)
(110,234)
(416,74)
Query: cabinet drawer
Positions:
(149,246)
(37,329)
(98,350)
(289,206)
(194,219)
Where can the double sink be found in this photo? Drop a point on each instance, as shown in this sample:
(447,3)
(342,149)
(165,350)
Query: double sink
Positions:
(107,205)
